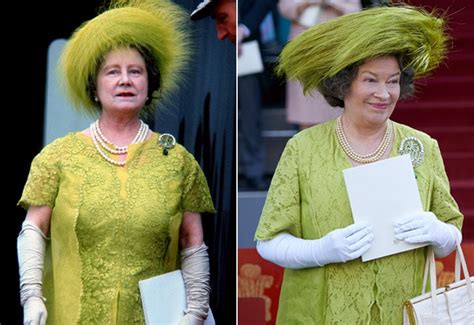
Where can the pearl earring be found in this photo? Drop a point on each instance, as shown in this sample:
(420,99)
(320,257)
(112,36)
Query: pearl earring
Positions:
(96,99)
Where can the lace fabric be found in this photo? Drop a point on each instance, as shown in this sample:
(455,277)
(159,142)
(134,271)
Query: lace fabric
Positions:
(111,226)
(308,199)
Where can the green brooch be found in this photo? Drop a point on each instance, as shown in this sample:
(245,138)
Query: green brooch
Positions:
(414,147)
(167,141)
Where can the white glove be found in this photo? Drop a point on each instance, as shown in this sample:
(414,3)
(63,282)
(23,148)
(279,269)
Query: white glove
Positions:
(424,227)
(338,246)
(189,319)
(31,247)
(342,245)
(34,312)
(195,270)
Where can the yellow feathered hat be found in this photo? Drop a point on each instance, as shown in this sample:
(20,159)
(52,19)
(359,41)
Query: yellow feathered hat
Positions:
(325,49)
(156,25)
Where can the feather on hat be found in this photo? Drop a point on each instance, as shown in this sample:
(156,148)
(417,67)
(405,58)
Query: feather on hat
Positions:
(325,49)
(156,25)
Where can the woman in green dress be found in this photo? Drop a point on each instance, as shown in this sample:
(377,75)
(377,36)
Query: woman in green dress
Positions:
(119,202)
(364,62)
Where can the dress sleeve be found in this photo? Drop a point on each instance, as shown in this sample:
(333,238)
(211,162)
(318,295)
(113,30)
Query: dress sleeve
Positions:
(42,184)
(281,212)
(443,204)
(196,195)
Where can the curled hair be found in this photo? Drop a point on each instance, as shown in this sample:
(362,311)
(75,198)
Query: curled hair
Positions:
(335,88)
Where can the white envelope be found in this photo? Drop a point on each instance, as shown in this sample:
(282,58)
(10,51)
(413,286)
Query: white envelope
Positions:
(380,193)
(164,299)
(250,59)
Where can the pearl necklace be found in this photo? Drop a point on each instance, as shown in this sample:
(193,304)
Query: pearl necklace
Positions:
(368,158)
(103,145)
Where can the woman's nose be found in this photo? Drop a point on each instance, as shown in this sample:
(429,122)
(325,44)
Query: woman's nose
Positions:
(382,92)
(124,79)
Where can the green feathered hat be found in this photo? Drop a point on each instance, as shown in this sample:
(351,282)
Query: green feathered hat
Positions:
(157,25)
(325,49)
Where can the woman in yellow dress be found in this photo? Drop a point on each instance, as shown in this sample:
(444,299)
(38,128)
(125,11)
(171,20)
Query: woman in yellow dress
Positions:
(115,203)
(364,62)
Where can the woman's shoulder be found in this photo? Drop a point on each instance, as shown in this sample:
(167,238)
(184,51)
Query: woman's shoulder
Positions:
(314,133)
(62,145)
(178,151)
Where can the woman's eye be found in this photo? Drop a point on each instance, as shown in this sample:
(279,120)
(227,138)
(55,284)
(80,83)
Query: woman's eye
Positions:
(395,81)
(370,80)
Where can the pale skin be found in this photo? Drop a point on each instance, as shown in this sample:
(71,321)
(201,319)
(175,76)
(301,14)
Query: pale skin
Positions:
(370,102)
(122,89)
(225,16)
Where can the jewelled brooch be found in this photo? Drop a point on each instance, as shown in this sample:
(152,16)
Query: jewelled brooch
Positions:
(414,147)
(167,141)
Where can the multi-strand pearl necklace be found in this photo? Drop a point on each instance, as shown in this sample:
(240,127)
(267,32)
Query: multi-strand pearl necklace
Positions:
(368,158)
(103,145)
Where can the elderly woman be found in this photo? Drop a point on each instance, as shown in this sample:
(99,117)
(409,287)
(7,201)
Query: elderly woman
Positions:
(116,200)
(364,62)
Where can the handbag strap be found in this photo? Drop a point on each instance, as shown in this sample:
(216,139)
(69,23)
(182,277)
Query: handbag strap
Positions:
(430,269)
(461,262)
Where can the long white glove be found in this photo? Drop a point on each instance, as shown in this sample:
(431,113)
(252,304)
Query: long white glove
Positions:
(426,228)
(338,246)
(196,276)
(31,246)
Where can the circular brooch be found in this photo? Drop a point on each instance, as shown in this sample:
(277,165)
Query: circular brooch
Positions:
(414,147)
(167,141)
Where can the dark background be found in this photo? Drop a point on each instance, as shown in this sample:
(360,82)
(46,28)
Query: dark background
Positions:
(201,116)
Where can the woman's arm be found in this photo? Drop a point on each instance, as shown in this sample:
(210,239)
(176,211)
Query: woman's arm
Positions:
(195,269)
(40,216)
(191,233)
(31,247)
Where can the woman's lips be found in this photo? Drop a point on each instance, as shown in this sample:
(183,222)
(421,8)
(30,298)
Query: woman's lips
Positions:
(379,105)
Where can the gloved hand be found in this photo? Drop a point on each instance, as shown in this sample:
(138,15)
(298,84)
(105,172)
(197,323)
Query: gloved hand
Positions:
(424,227)
(34,312)
(31,246)
(343,244)
(189,319)
(196,277)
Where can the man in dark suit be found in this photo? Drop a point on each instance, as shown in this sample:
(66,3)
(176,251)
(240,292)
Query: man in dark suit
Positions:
(224,12)
(251,14)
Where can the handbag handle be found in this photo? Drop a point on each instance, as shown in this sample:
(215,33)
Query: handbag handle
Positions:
(431,269)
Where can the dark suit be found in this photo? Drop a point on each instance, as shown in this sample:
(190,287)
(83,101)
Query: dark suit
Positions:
(251,149)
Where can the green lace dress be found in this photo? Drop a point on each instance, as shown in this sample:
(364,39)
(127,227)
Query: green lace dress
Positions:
(308,199)
(110,226)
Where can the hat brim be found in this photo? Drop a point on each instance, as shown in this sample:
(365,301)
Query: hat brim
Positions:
(204,11)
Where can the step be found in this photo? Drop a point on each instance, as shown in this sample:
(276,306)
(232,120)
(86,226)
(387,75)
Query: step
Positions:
(459,165)
(275,119)
(432,114)
(452,139)
(250,208)
(463,193)
(452,89)
(468,225)
(273,149)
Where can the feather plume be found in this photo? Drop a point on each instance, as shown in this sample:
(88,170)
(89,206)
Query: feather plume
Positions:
(325,49)
(158,25)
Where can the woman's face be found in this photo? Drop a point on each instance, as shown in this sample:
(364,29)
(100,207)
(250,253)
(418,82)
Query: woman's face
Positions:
(122,81)
(374,91)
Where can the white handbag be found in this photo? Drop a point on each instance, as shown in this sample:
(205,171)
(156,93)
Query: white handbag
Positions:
(453,304)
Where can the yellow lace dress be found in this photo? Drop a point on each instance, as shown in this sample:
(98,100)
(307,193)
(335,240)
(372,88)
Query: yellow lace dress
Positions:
(110,226)
(308,199)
